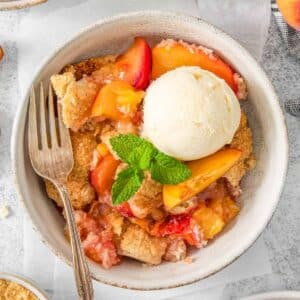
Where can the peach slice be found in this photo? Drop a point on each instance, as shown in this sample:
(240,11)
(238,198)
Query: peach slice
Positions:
(204,172)
(290,10)
(214,215)
(230,209)
(209,221)
(102,149)
(216,204)
(1,53)
(170,54)
(102,176)
(116,100)
(225,207)
(136,64)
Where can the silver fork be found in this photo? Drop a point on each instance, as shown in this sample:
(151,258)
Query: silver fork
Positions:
(51,156)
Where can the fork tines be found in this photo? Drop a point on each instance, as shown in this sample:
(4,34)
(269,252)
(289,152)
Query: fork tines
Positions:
(46,128)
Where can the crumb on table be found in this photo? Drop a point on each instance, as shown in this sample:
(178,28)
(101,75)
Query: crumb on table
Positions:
(4,211)
(188,260)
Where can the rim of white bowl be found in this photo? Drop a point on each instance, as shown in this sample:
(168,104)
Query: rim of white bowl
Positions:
(284,295)
(22,109)
(26,283)
(18,4)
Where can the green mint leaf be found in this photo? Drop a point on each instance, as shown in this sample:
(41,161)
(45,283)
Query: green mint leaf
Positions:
(124,144)
(168,170)
(133,149)
(142,156)
(126,185)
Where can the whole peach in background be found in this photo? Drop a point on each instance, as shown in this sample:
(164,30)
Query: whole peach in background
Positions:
(290,10)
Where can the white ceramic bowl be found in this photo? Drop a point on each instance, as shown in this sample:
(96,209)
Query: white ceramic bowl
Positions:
(281,295)
(17,4)
(27,283)
(262,187)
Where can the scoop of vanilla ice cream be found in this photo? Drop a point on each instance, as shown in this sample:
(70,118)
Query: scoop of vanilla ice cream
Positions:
(190,113)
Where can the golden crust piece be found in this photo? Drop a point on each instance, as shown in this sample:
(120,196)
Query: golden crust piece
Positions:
(78,85)
(138,244)
(116,221)
(60,83)
(147,199)
(77,98)
(80,191)
(87,67)
(176,250)
(242,141)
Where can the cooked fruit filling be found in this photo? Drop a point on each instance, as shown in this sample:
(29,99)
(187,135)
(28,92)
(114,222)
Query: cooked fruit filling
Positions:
(160,145)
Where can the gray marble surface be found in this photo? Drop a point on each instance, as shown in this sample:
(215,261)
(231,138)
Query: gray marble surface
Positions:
(282,235)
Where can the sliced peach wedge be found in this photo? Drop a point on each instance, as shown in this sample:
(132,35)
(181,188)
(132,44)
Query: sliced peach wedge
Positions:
(102,176)
(170,54)
(136,63)
(214,215)
(209,221)
(290,10)
(204,172)
(116,101)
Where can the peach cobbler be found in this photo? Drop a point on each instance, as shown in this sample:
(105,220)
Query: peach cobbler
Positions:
(160,146)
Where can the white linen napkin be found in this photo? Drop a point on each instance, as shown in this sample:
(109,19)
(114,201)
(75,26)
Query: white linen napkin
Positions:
(45,27)
(247,21)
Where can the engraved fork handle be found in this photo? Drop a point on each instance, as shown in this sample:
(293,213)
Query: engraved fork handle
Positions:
(81,271)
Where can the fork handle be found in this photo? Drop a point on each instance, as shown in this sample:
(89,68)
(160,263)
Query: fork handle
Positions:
(80,267)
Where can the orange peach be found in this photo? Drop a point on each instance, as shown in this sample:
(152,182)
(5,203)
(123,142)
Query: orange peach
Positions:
(214,215)
(102,149)
(204,172)
(102,176)
(1,53)
(210,222)
(225,207)
(177,54)
(136,64)
(231,209)
(116,101)
(290,10)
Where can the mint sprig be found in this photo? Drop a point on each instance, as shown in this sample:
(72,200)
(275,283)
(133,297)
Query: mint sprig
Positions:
(141,155)
(125,144)
(126,185)
(168,170)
